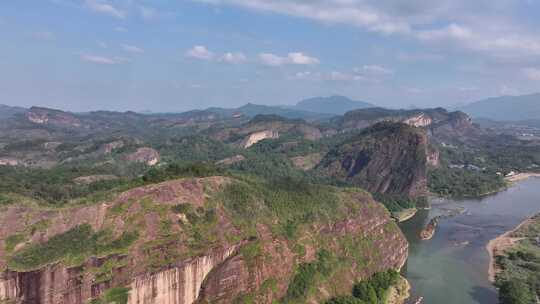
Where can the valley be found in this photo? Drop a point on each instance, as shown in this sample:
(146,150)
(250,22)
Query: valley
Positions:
(231,205)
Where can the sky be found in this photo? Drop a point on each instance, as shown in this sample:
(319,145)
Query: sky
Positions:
(177,55)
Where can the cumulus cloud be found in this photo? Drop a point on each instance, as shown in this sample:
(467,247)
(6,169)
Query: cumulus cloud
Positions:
(106,8)
(296,58)
(132,49)
(234,58)
(200,52)
(103,60)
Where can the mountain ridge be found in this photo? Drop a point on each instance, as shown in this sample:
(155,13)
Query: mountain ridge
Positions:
(506,108)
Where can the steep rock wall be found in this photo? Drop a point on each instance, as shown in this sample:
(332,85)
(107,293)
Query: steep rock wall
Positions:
(178,285)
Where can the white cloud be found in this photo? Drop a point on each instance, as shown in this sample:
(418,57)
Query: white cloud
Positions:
(532,73)
(452,31)
(352,12)
(104,7)
(305,75)
(200,52)
(120,29)
(271,59)
(375,70)
(132,49)
(491,27)
(234,58)
(344,76)
(296,58)
(300,58)
(103,60)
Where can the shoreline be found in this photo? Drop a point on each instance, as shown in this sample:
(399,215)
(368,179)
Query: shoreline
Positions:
(521,177)
(500,244)
(404,215)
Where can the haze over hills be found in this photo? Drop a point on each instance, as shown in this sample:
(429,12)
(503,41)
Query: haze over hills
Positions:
(506,108)
(336,104)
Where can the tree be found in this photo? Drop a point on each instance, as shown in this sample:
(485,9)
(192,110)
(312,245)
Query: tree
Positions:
(345,300)
(515,292)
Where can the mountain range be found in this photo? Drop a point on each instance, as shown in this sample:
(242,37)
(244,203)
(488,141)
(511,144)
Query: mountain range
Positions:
(506,108)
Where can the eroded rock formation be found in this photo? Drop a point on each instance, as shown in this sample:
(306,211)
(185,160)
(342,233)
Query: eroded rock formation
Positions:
(163,266)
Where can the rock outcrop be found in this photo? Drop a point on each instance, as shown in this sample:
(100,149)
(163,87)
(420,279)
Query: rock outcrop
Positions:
(256,137)
(190,247)
(44,116)
(179,284)
(145,155)
(439,123)
(388,158)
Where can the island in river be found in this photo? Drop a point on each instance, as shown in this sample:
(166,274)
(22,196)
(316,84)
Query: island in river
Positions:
(452,267)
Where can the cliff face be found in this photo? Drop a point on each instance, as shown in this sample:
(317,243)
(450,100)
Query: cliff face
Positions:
(191,246)
(266,126)
(387,158)
(255,137)
(438,123)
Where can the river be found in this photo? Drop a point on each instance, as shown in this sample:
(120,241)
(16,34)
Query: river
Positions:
(452,267)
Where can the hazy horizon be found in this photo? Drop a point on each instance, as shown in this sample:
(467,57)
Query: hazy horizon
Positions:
(163,56)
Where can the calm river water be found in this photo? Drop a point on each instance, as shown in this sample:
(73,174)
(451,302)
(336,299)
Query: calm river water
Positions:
(452,267)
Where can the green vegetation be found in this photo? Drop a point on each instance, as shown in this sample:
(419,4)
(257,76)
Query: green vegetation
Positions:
(193,149)
(293,201)
(117,295)
(519,278)
(14,240)
(308,275)
(72,247)
(345,300)
(463,182)
(397,203)
(172,171)
(372,291)
(55,186)
(5,200)
(476,167)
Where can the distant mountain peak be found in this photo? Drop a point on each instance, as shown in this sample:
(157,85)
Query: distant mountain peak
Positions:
(335,104)
(506,108)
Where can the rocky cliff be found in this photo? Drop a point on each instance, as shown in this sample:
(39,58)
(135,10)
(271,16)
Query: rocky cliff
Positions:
(198,240)
(388,158)
(438,123)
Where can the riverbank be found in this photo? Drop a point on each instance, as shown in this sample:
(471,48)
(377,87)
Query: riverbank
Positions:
(404,215)
(521,176)
(499,245)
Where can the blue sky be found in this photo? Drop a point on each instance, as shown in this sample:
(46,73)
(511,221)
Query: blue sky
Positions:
(178,55)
